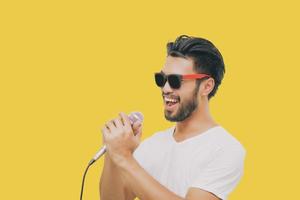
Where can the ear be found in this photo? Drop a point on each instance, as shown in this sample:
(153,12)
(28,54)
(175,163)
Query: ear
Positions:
(207,86)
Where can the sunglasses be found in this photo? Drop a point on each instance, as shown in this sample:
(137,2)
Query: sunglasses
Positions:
(175,80)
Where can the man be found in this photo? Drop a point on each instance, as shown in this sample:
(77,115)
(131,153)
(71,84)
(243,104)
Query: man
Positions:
(197,159)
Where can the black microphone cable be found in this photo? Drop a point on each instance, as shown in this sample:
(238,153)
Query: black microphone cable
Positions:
(83,179)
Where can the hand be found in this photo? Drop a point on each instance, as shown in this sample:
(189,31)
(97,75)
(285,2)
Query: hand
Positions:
(120,138)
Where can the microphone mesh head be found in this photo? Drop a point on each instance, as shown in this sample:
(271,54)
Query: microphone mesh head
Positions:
(136,116)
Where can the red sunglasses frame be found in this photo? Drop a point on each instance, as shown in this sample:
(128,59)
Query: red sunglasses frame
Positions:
(182,77)
(194,76)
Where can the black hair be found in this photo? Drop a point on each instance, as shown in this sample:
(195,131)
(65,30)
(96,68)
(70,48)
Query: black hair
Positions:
(207,58)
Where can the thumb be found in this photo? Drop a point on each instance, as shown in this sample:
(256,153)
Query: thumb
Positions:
(136,126)
(137,129)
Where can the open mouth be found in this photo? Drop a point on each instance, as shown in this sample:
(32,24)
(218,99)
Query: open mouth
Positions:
(171,101)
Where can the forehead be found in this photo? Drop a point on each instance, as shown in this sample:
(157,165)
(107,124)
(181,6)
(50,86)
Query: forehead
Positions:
(178,65)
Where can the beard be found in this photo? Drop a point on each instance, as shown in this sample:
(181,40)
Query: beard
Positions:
(185,109)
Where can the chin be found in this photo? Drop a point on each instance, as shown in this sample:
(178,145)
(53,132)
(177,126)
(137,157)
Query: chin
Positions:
(170,116)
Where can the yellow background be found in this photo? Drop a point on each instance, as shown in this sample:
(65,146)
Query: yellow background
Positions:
(69,66)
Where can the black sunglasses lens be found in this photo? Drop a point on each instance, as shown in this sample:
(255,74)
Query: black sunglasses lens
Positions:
(174,81)
(160,80)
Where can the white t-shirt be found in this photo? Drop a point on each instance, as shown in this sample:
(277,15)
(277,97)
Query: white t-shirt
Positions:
(212,161)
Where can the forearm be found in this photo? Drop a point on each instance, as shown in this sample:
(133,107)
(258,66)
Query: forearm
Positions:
(142,184)
(111,185)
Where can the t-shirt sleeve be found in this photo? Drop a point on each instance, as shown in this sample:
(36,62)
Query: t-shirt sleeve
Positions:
(140,153)
(223,173)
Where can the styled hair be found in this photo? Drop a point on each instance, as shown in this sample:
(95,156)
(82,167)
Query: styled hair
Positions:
(207,58)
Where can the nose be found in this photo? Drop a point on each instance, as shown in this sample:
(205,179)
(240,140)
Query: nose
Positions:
(166,88)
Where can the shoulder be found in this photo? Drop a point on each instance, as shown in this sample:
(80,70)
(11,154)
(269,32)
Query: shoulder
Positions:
(227,146)
(223,139)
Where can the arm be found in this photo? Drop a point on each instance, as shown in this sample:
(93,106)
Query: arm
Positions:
(111,185)
(147,188)
(121,143)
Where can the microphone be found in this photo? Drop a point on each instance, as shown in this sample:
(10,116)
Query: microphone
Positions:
(133,117)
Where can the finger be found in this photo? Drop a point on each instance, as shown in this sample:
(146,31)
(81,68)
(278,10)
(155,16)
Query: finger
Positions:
(125,119)
(120,116)
(118,122)
(105,133)
(111,126)
(105,130)
(127,124)
(136,126)
(138,132)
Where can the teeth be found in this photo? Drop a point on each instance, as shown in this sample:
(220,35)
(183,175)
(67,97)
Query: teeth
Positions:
(170,100)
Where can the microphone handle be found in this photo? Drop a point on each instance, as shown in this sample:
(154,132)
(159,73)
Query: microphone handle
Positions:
(100,153)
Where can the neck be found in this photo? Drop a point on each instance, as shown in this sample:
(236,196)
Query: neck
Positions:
(199,121)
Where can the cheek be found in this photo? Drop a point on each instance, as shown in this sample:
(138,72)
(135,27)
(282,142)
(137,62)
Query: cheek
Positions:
(185,96)
(187,90)
(188,93)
